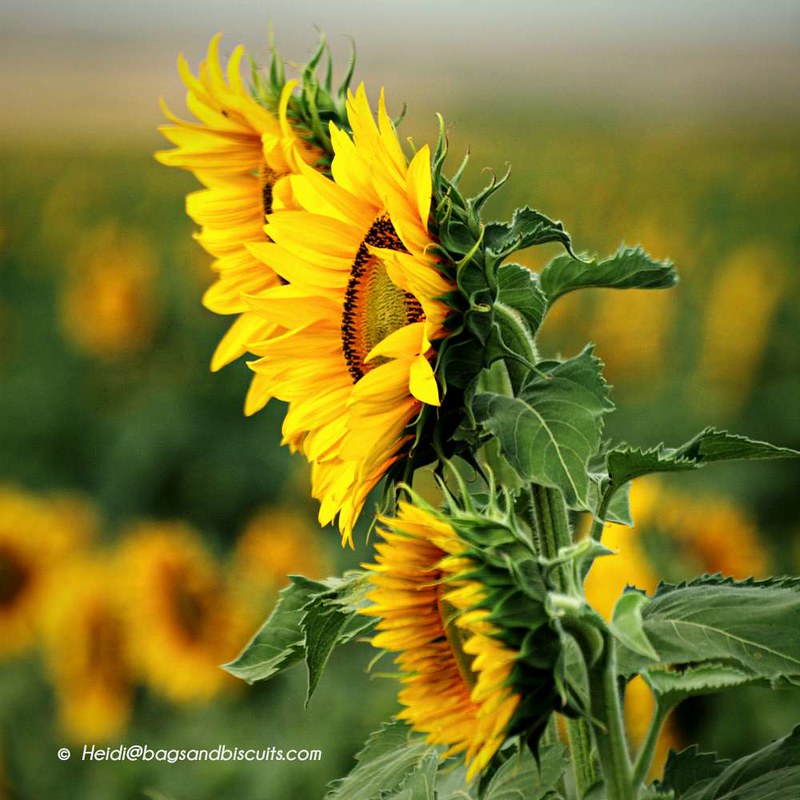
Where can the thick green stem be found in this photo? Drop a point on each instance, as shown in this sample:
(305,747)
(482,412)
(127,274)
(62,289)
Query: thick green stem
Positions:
(579,738)
(609,732)
(644,759)
(552,525)
(553,532)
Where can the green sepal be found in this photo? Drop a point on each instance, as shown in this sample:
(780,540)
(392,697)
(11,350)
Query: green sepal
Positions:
(627,624)
(316,105)
(526,229)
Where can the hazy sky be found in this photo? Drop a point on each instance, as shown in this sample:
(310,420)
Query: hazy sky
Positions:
(96,66)
(579,21)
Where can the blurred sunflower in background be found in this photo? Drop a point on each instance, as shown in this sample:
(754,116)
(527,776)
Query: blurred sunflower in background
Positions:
(359,310)
(676,536)
(87,649)
(183,623)
(243,153)
(275,542)
(748,288)
(108,303)
(456,673)
(35,539)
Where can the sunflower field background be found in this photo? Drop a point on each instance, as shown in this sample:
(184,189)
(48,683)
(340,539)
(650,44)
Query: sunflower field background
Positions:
(146,525)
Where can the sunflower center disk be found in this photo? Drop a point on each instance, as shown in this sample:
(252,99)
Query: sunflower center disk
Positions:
(13,578)
(375,306)
(189,607)
(266,180)
(105,648)
(456,638)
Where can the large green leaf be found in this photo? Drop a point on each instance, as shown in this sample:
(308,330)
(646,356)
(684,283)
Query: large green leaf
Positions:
(715,445)
(332,619)
(451,783)
(309,620)
(385,765)
(772,773)
(674,686)
(710,445)
(279,642)
(749,625)
(690,768)
(551,430)
(625,463)
(521,778)
(421,782)
(628,268)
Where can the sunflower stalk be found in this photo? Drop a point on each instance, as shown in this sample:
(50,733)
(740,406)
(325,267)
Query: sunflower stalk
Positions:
(553,533)
(609,728)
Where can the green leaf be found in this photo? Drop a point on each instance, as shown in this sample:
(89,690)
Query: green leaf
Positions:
(279,643)
(690,768)
(518,288)
(309,620)
(627,624)
(526,229)
(551,430)
(619,507)
(751,625)
(652,793)
(421,783)
(674,686)
(387,761)
(332,619)
(715,445)
(772,773)
(521,778)
(628,268)
(451,783)
(625,464)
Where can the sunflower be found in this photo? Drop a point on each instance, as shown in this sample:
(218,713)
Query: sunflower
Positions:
(243,154)
(35,537)
(276,542)
(713,534)
(87,650)
(108,304)
(456,673)
(183,623)
(360,310)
